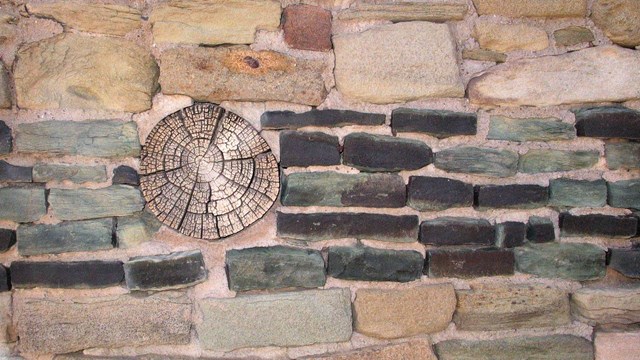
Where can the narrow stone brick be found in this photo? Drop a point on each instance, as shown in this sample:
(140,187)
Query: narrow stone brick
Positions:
(577,193)
(625,261)
(22,203)
(371,264)
(484,55)
(125,175)
(326,118)
(7,330)
(469,263)
(543,161)
(509,37)
(78,204)
(13,173)
(606,306)
(404,11)
(514,196)
(573,35)
(6,140)
(624,194)
(520,130)
(419,349)
(540,230)
(435,193)
(617,345)
(369,152)
(274,267)
(474,160)
(535,8)
(608,122)
(622,155)
(439,123)
(73,274)
(285,319)
(325,226)
(161,272)
(5,284)
(7,239)
(570,261)
(136,229)
(510,234)
(598,225)
(307,27)
(75,173)
(457,231)
(70,236)
(308,148)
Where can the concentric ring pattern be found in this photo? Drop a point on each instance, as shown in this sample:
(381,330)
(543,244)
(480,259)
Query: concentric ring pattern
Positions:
(207,173)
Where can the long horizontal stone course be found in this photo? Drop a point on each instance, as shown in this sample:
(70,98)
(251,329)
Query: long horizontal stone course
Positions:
(308,148)
(371,264)
(73,274)
(622,155)
(369,152)
(457,231)
(540,230)
(544,161)
(438,123)
(436,193)
(325,226)
(535,9)
(577,193)
(475,160)
(469,262)
(625,261)
(602,306)
(624,194)
(70,236)
(598,225)
(15,173)
(484,55)
(22,203)
(323,118)
(6,139)
(161,272)
(78,204)
(74,173)
(608,122)
(410,11)
(516,196)
(285,319)
(572,261)
(509,37)
(7,239)
(521,130)
(510,234)
(419,349)
(274,267)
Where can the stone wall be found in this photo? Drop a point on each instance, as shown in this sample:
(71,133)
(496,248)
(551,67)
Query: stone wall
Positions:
(459,180)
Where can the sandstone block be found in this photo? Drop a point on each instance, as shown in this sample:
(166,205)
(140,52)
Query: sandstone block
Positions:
(619,20)
(601,306)
(617,345)
(307,27)
(573,35)
(410,350)
(505,38)
(405,11)
(535,8)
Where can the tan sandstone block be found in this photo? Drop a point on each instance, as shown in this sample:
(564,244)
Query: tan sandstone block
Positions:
(607,305)
(504,38)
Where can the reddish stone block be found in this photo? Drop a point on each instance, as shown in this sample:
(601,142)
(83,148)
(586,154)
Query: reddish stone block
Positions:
(307,27)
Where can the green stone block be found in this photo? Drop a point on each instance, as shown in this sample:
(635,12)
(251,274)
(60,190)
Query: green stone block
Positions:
(542,161)
(134,230)
(474,160)
(503,128)
(78,204)
(570,261)
(75,173)
(90,235)
(577,193)
(22,204)
(624,194)
(623,155)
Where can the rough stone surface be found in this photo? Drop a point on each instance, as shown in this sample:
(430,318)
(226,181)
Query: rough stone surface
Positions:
(624,193)
(5,284)
(369,152)
(67,324)
(102,138)
(510,234)
(408,11)
(625,261)
(308,148)
(75,173)
(598,225)
(307,27)
(324,118)
(505,38)
(475,160)
(600,306)
(7,239)
(90,235)
(73,274)
(570,261)
(573,35)
(623,155)
(76,71)
(435,193)
(5,88)
(161,272)
(13,173)
(550,80)
(469,263)
(516,196)
(457,231)
(540,230)
(619,20)
(136,229)
(577,193)
(535,8)
(617,345)
(27,203)
(397,63)
(125,175)
(241,74)
(520,130)
(6,140)
(371,264)
(410,350)
(7,334)
(608,122)
(336,189)
(78,204)
(439,123)
(483,55)
(541,161)
(286,319)
(391,314)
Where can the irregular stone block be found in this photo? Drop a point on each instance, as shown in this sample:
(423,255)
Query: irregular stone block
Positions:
(600,306)
(44,323)
(397,63)
(439,123)
(73,274)
(535,81)
(617,345)
(577,193)
(456,231)
(483,55)
(542,161)
(535,8)
(7,333)
(435,193)
(325,226)
(371,264)
(540,230)
(308,148)
(5,88)
(335,189)
(102,138)
(570,261)
(274,267)
(237,73)
(307,27)
(161,272)
(624,193)
(113,74)
(5,284)
(7,239)
(496,307)
(623,155)
(22,204)
(598,225)
(125,175)
(625,261)
(410,350)
(399,313)
(90,235)
(13,173)
(608,122)
(116,200)
(469,263)
(515,196)
(475,160)
(406,11)
(134,230)
(505,38)
(75,173)
(285,319)
(510,234)
(520,130)
(369,152)
(573,35)
(324,118)
(619,20)
(6,140)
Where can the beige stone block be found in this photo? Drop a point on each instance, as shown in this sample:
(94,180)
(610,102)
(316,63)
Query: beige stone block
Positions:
(504,38)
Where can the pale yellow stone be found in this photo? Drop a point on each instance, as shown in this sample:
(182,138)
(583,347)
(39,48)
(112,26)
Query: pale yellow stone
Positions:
(607,305)
(406,11)
(617,346)
(619,19)
(411,350)
(504,38)
(532,8)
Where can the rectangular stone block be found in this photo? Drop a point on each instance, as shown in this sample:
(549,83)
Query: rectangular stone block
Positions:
(622,155)
(571,261)
(161,272)
(625,261)
(308,148)
(624,194)
(411,350)
(325,118)
(407,11)
(608,122)
(510,234)
(469,263)
(535,8)
(544,161)
(72,274)
(514,196)
(436,193)
(5,283)
(577,193)
(22,204)
(371,264)
(78,204)
(285,319)
(598,225)
(89,235)
(13,173)
(438,123)
(484,55)
(457,231)
(617,345)
(540,230)
(75,173)
(7,239)
(520,130)
(474,160)
(371,153)
(606,306)
(6,139)
(7,333)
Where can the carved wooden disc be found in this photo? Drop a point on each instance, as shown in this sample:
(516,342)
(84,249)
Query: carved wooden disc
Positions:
(207,173)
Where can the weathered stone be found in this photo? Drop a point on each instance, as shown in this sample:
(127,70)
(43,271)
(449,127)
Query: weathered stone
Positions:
(435,193)
(474,160)
(241,74)
(22,204)
(500,307)
(405,11)
(125,175)
(54,325)
(505,38)
(561,260)
(483,55)
(6,140)
(557,347)
(134,230)
(213,23)
(439,123)
(540,230)
(308,148)
(540,161)
(598,225)
(624,193)
(456,231)
(7,334)
(13,173)
(392,314)
(469,263)
(75,173)
(623,155)
(90,235)
(116,200)
(625,261)
(336,189)
(161,272)
(371,264)
(76,71)
(573,35)
(608,122)
(108,19)
(73,274)
(510,234)
(286,319)
(102,138)
(617,345)
(325,226)
(515,196)
(325,118)
(5,284)
(307,27)
(619,20)
(7,239)
(397,63)
(535,8)
(410,350)
(504,128)
(536,81)
(600,306)
(80,355)
(274,267)
(577,193)
(5,88)
(369,152)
